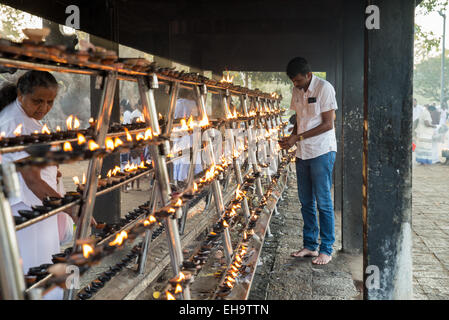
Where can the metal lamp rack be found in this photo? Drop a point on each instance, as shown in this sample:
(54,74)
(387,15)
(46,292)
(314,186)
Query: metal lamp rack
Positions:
(268,117)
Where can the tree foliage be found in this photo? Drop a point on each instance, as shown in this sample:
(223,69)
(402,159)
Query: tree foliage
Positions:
(425,42)
(427,79)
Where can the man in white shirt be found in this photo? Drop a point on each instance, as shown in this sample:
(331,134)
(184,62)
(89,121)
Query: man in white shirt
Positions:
(313,100)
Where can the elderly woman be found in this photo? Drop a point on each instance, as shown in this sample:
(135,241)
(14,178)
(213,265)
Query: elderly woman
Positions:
(27,103)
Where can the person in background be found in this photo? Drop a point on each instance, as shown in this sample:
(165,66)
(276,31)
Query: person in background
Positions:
(313,100)
(27,103)
(424,134)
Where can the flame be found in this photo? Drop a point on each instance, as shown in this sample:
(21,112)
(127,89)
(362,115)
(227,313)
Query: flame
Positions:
(119,238)
(84,179)
(171,210)
(238,259)
(169,296)
(234,268)
(93,145)
(190,122)
(239,194)
(178,288)
(81,139)
(178,203)
(238,265)
(184,124)
(129,137)
(151,219)
(160,116)
(18,131)
(45,129)
(76,180)
(109,174)
(76,123)
(142,165)
(204,122)
(227,79)
(181,277)
(148,134)
(225,224)
(117,142)
(229,284)
(91,120)
(139,137)
(87,250)
(67,147)
(58,129)
(109,143)
(195,187)
(69,122)
(245,236)
(234,274)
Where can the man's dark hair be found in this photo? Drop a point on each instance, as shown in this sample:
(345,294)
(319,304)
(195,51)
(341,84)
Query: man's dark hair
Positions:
(297,66)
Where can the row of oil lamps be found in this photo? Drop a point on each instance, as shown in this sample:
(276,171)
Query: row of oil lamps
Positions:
(238,268)
(98,55)
(92,254)
(194,264)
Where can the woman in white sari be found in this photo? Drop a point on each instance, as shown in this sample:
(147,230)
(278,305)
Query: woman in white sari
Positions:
(27,103)
(424,131)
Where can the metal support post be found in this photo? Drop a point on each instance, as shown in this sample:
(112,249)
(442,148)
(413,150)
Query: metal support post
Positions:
(108,84)
(158,155)
(209,152)
(12,282)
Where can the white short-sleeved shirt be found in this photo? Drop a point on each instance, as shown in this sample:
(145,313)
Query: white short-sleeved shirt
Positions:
(308,116)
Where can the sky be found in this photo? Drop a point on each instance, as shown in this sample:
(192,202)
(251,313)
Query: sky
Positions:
(433,22)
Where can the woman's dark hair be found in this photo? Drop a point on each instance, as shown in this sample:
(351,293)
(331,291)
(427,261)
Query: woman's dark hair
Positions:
(25,85)
(297,66)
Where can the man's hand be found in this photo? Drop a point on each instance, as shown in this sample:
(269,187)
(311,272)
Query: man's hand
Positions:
(288,142)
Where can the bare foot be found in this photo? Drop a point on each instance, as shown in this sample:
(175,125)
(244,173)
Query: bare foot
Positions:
(322,259)
(304,253)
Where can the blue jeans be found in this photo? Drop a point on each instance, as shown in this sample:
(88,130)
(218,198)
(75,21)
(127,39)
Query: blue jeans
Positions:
(314,177)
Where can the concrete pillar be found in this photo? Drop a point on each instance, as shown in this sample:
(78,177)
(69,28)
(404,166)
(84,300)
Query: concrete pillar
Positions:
(387,152)
(352,125)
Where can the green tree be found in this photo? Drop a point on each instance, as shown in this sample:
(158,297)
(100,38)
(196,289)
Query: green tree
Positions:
(426,80)
(425,42)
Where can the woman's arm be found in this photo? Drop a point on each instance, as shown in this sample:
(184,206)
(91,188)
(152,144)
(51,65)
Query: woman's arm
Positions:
(32,177)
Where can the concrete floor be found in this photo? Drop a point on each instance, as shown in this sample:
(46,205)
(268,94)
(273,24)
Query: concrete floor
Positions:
(430,224)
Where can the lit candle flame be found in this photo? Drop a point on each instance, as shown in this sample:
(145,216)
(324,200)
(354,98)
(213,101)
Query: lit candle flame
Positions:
(58,129)
(227,79)
(184,124)
(76,180)
(84,179)
(68,122)
(190,122)
(91,120)
(178,203)
(76,123)
(195,187)
(129,137)
(148,134)
(205,121)
(178,288)
(109,143)
(81,139)
(225,224)
(93,145)
(119,238)
(87,250)
(117,142)
(18,131)
(45,129)
(140,136)
(169,296)
(67,147)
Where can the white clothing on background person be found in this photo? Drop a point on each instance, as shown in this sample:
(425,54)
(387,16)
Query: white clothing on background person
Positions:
(38,242)
(184,109)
